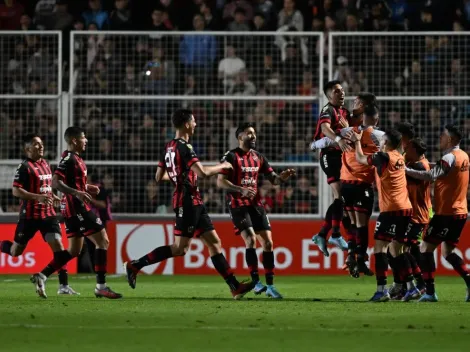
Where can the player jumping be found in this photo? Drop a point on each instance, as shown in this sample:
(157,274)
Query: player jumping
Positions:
(182,167)
(246,210)
(451,177)
(33,185)
(70,178)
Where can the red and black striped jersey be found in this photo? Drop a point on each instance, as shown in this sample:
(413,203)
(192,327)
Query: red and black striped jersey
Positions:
(34,177)
(177,158)
(73,172)
(332,115)
(246,169)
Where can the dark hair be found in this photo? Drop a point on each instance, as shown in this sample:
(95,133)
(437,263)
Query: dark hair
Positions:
(406,129)
(73,132)
(241,128)
(367,98)
(394,138)
(180,117)
(419,145)
(371,110)
(28,138)
(329,86)
(455,131)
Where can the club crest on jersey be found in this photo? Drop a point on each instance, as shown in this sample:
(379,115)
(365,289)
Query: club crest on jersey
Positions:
(399,165)
(189,146)
(325,108)
(464,166)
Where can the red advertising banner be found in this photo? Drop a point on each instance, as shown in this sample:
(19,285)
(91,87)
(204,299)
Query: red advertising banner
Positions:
(295,254)
(35,257)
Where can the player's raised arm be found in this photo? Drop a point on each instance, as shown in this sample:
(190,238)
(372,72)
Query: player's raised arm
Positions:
(360,157)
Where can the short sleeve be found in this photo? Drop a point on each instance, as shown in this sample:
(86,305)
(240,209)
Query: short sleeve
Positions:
(161,161)
(447,162)
(265,166)
(228,157)
(65,163)
(325,115)
(188,154)
(21,178)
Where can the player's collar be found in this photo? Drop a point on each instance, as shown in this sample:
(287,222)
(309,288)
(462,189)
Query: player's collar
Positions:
(447,151)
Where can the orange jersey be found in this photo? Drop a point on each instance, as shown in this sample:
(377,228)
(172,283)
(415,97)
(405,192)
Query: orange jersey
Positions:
(450,191)
(391,181)
(420,193)
(354,172)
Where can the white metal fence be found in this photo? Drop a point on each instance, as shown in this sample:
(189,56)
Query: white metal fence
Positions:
(124,85)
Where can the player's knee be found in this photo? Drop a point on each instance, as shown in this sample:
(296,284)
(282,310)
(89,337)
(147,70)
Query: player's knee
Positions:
(250,240)
(447,250)
(268,246)
(16,251)
(179,250)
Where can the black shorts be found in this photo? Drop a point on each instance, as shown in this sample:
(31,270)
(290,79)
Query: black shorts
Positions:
(392,226)
(83,224)
(27,228)
(331,162)
(414,233)
(358,198)
(445,228)
(250,216)
(192,221)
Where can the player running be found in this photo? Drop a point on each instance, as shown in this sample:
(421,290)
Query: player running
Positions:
(332,118)
(395,211)
(180,164)
(70,178)
(33,185)
(245,207)
(451,177)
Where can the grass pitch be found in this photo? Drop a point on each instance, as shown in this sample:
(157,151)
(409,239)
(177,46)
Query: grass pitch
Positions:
(198,314)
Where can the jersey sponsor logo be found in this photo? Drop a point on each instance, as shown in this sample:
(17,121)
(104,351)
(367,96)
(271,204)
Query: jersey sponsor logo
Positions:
(248,181)
(45,189)
(250,168)
(45,177)
(464,166)
(400,165)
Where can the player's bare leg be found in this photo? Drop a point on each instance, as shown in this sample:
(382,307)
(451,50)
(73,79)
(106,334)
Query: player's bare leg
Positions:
(101,241)
(212,241)
(458,264)
(249,237)
(266,240)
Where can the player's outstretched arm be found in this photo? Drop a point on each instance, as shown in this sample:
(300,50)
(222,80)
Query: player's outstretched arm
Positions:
(224,183)
(208,171)
(441,169)
(276,179)
(59,185)
(25,195)
(360,157)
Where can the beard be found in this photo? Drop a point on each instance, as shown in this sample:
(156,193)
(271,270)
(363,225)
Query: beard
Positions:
(248,143)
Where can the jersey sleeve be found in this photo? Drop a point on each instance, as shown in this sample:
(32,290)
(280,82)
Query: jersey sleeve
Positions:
(161,160)
(380,160)
(228,157)
(441,169)
(325,115)
(188,154)
(65,164)
(265,167)
(21,178)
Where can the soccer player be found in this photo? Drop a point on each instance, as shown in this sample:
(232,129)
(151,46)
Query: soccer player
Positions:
(32,184)
(395,211)
(246,210)
(332,118)
(451,177)
(70,178)
(180,164)
(357,191)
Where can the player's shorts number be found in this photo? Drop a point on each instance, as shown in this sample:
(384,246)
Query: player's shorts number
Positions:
(442,234)
(410,225)
(393,228)
(377,225)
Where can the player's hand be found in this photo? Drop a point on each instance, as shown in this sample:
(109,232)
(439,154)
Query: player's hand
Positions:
(287,174)
(248,192)
(349,135)
(358,136)
(45,199)
(343,122)
(84,197)
(227,165)
(56,201)
(93,190)
(344,145)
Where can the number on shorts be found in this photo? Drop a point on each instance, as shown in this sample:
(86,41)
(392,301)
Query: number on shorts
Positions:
(393,228)
(443,233)
(409,228)
(377,225)
(367,193)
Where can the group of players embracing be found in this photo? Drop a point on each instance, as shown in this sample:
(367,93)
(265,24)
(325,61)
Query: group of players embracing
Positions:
(355,155)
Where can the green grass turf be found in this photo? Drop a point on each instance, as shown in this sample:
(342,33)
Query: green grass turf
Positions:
(198,314)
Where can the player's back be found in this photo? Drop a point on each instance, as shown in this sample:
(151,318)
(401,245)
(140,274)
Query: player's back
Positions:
(177,158)
(391,183)
(245,173)
(34,177)
(450,191)
(354,172)
(420,193)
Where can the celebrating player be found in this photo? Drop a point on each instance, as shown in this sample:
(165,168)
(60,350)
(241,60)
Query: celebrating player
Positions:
(70,178)
(332,118)
(246,210)
(182,167)
(395,210)
(32,184)
(451,177)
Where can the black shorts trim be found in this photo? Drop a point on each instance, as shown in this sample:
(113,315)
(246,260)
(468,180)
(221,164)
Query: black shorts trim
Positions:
(27,228)
(250,216)
(445,228)
(331,163)
(390,226)
(414,233)
(358,197)
(83,224)
(192,221)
